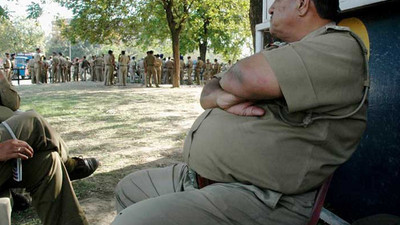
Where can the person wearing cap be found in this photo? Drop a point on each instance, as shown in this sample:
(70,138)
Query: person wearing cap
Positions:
(132,68)
(38,64)
(197,70)
(98,66)
(158,66)
(275,127)
(93,69)
(208,70)
(54,67)
(189,66)
(123,62)
(109,63)
(169,65)
(150,70)
(7,67)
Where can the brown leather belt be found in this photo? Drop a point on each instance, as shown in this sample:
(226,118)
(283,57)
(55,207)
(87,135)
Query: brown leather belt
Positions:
(203,182)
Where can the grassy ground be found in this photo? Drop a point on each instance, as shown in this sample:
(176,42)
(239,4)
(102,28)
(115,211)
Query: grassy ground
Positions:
(126,128)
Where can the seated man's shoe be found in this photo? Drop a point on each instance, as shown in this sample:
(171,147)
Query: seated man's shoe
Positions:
(20,202)
(83,168)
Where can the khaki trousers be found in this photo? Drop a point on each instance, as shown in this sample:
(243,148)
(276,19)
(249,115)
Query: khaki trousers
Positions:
(109,73)
(151,74)
(44,176)
(7,73)
(197,76)
(189,73)
(165,196)
(123,74)
(99,73)
(158,72)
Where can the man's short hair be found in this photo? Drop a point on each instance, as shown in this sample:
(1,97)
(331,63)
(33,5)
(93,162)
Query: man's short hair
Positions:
(123,52)
(7,53)
(327,9)
(110,51)
(37,49)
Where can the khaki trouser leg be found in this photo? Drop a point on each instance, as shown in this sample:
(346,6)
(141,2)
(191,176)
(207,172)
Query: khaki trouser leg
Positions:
(37,74)
(158,72)
(189,73)
(165,196)
(44,175)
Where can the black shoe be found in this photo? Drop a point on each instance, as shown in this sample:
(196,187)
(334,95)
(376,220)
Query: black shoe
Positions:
(20,202)
(83,168)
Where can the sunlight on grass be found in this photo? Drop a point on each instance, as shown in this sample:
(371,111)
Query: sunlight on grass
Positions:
(127,129)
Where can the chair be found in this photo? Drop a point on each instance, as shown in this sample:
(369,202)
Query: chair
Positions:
(319,212)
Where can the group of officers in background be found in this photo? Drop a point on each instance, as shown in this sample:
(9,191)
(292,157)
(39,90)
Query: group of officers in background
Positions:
(151,70)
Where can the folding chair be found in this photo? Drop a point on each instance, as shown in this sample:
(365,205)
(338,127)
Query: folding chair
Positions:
(319,212)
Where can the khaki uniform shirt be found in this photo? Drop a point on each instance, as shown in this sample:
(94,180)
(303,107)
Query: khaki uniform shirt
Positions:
(189,64)
(55,62)
(169,64)
(216,68)
(158,62)
(7,63)
(199,65)
(322,74)
(37,58)
(123,60)
(208,66)
(149,60)
(9,100)
(109,60)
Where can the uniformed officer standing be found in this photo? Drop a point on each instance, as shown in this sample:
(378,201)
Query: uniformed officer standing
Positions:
(68,65)
(123,62)
(75,64)
(170,65)
(197,70)
(208,69)
(216,67)
(54,67)
(109,63)
(182,69)
(85,68)
(92,68)
(158,66)
(189,67)
(149,69)
(98,64)
(61,68)
(45,68)
(31,70)
(132,69)
(38,64)
(7,67)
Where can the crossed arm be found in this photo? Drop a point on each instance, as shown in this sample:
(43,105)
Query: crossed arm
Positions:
(248,81)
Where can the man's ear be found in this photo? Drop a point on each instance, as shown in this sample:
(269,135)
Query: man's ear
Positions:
(303,7)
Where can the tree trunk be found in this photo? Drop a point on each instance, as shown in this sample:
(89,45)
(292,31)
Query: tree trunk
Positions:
(255,15)
(175,50)
(203,50)
(203,43)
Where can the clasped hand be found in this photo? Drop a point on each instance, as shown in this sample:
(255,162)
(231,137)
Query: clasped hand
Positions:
(238,106)
(12,149)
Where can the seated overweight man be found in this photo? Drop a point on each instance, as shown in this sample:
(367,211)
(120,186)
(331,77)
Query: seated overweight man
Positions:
(47,170)
(275,126)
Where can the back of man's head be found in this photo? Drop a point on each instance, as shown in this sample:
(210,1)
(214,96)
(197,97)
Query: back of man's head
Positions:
(327,9)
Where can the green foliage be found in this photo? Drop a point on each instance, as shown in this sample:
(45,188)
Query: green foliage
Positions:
(34,11)
(4,14)
(222,25)
(20,35)
(144,23)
